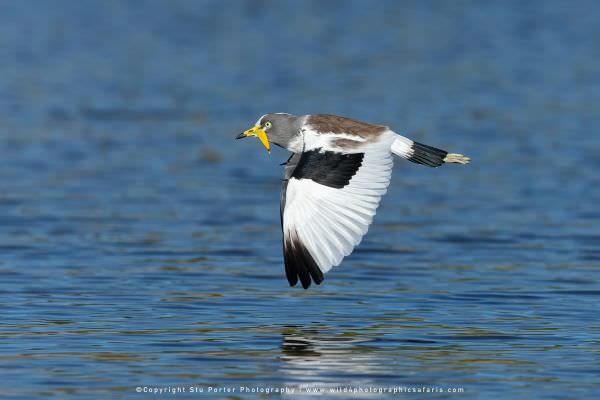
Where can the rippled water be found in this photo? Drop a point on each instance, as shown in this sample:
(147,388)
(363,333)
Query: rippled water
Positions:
(141,245)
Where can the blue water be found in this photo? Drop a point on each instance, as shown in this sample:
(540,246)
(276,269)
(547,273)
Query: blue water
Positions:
(140,244)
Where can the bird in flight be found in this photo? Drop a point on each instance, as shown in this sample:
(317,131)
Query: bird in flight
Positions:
(333,181)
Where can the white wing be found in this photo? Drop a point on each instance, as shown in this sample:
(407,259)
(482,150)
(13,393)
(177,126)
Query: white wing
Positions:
(322,223)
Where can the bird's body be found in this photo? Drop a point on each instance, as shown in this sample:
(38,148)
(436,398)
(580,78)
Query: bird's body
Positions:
(333,183)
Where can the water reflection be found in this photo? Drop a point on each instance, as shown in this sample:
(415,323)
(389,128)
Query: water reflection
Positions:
(327,359)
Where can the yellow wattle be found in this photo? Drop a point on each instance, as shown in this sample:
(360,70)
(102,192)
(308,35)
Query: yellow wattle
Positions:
(262,136)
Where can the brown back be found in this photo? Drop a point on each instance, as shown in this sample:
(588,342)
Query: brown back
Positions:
(324,123)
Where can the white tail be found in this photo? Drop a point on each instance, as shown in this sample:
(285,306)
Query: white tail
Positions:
(402,147)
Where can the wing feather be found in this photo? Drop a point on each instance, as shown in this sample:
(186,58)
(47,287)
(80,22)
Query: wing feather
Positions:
(329,222)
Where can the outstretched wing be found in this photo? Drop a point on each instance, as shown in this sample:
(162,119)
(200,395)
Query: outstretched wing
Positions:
(328,201)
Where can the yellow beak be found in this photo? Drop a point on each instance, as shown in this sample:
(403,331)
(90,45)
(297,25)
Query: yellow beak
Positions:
(260,134)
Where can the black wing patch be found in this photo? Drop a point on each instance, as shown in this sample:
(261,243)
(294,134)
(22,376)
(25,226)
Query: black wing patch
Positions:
(427,155)
(290,165)
(328,168)
(299,263)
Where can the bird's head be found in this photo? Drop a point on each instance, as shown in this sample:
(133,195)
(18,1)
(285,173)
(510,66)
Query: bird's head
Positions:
(276,128)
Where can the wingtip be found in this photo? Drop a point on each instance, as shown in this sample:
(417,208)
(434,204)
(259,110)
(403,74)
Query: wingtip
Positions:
(299,264)
(306,285)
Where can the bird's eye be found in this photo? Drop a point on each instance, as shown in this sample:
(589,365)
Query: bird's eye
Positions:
(268,124)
